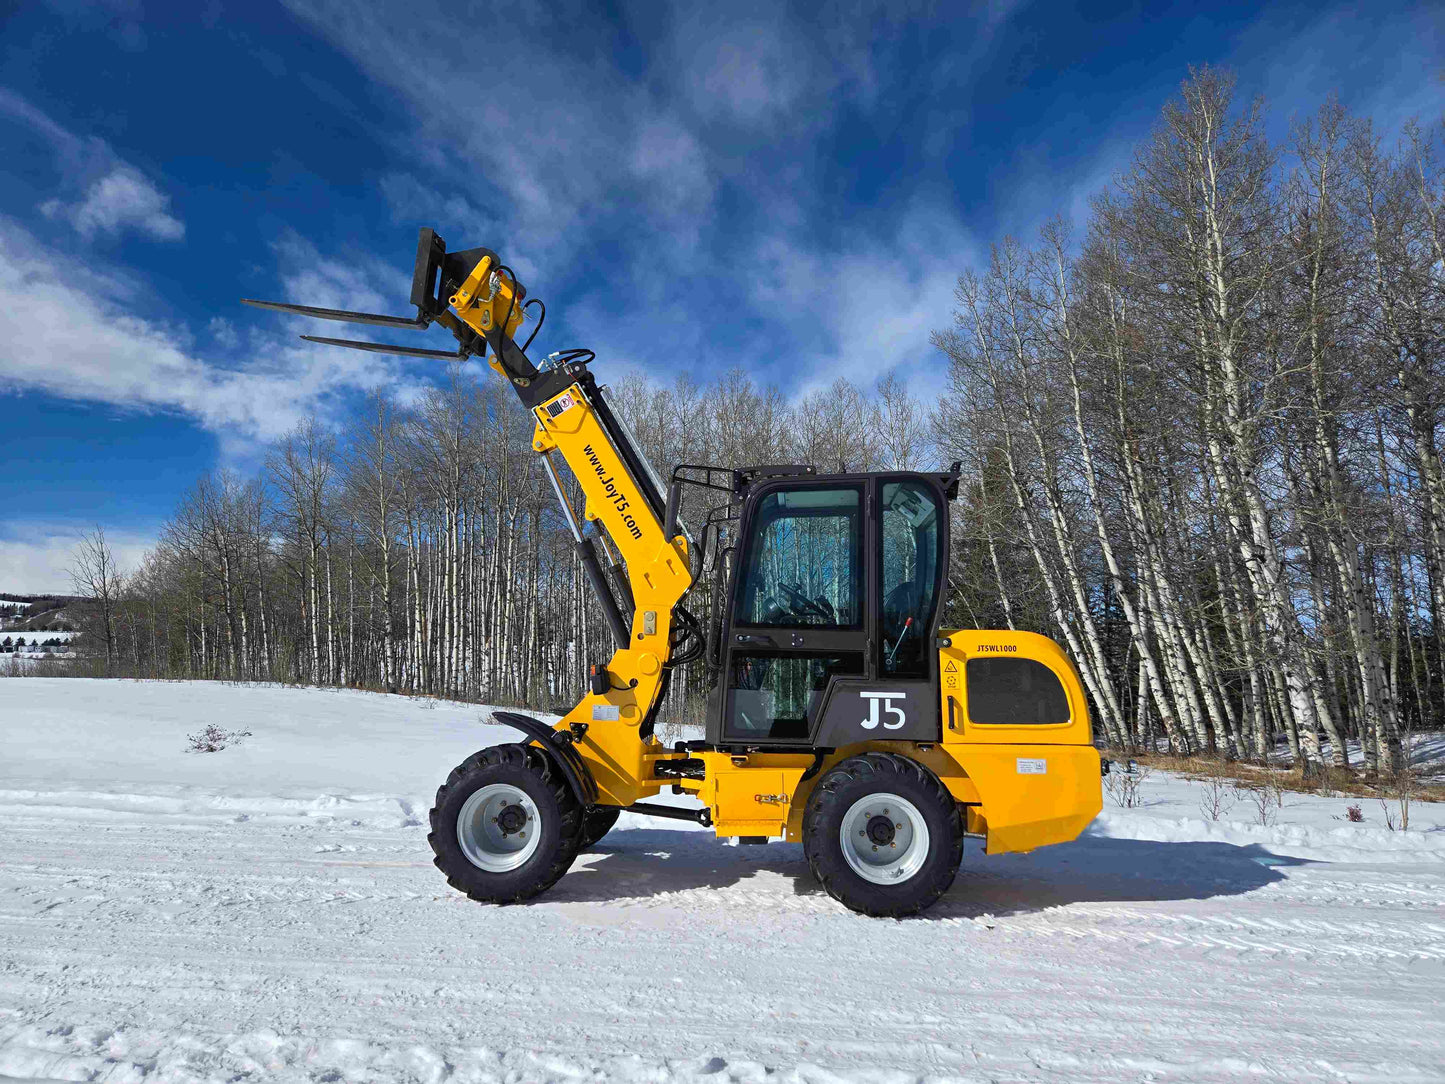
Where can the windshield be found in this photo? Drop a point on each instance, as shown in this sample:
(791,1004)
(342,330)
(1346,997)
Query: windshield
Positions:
(803,559)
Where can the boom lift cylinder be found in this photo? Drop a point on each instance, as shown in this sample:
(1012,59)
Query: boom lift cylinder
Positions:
(587,555)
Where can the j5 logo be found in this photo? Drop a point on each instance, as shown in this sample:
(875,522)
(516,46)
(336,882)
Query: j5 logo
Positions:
(885,700)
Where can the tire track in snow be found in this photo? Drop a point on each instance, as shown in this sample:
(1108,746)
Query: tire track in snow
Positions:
(234,937)
(1301,937)
(87,888)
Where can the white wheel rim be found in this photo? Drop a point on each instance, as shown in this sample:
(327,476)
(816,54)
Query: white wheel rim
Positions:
(874,854)
(499,828)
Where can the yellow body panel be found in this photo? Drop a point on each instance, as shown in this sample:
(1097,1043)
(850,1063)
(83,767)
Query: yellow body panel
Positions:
(752,795)
(1037,784)
(968,644)
(1019,810)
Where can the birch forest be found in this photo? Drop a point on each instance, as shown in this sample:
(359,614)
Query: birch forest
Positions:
(1200,433)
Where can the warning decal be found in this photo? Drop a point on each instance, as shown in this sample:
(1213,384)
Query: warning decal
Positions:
(562,403)
(951,668)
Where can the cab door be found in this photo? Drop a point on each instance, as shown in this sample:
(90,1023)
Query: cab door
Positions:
(799,611)
(898,701)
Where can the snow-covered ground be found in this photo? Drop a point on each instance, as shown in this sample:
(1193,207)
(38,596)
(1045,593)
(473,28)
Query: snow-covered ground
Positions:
(270,912)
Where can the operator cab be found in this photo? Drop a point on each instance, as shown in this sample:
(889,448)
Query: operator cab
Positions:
(828,636)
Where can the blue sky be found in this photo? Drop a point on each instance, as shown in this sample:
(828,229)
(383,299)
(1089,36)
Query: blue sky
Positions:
(789,189)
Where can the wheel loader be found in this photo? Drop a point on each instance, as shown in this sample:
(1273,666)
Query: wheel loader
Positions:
(840,714)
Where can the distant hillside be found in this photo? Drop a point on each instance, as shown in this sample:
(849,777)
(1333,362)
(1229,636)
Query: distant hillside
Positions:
(32,612)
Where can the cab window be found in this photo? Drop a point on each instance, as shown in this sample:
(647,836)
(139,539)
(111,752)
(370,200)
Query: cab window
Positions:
(804,563)
(912,533)
(777,696)
(1015,692)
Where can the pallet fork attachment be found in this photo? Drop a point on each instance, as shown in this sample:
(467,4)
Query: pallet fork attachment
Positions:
(436,276)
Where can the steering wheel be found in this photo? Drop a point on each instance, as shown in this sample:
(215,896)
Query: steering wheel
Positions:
(804,606)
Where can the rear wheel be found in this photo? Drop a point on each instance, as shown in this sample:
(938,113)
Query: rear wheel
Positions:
(883,835)
(505,826)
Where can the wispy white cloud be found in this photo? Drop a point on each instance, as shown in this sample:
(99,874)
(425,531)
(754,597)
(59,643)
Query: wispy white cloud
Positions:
(744,68)
(36,555)
(99,193)
(17,108)
(866,307)
(667,158)
(80,335)
(1295,63)
(121,200)
(224,332)
(566,147)
(667,162)
(858,307)
(780,70)
(549,142)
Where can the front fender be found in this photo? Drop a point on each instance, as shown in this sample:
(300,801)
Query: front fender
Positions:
(557,746)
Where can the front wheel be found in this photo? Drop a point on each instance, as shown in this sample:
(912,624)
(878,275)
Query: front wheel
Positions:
(883,835)
(505,826)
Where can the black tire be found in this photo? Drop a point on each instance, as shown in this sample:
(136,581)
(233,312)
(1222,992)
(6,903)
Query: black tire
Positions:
(842,790)
(597,824)
(530,771)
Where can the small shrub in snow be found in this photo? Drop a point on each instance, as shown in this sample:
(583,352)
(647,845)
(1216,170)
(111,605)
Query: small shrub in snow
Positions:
(1354,814)
(1220,792)
(1266,796)
(1123,786)
(213,739)
(1396,797)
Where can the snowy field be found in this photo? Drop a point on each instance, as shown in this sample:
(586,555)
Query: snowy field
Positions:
(270,912)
